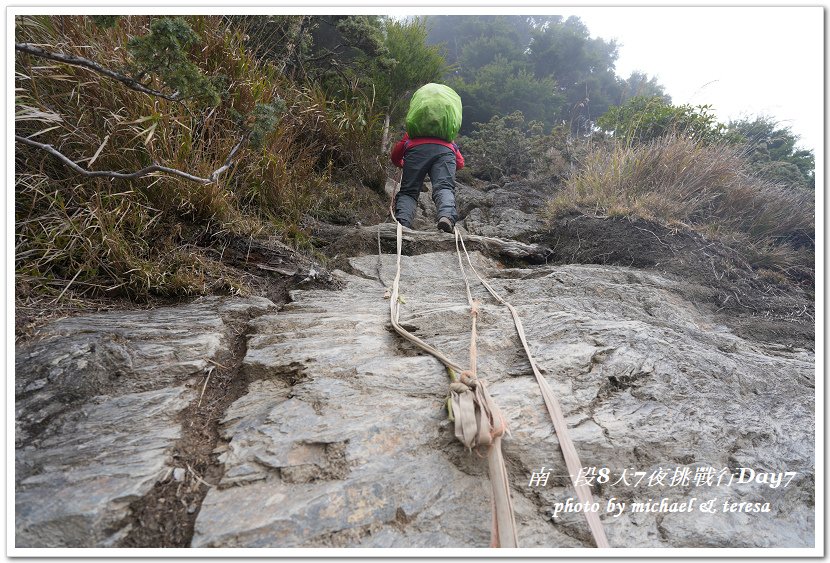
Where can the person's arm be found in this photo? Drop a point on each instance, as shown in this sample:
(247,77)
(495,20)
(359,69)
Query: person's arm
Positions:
(396,156)
(459,158)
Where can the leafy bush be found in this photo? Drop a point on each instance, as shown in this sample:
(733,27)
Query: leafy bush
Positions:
(772,154)
(163,51)
(414,63)
(105,21)
(507,84)
(498,148)
(280,40)
(677,180)
(508,147)
(266,117)
(642,119)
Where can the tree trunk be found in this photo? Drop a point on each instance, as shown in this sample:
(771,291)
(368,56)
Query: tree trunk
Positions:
(385,140)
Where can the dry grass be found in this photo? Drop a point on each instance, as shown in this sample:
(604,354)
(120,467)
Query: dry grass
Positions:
(678,181)
(139,237)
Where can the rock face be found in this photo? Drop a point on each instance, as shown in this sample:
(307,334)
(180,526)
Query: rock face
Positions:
(340,438)
(343,440)
(504,211)
(96,415)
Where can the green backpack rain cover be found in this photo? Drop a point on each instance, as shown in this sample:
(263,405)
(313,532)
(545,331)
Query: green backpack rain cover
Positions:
(434,111)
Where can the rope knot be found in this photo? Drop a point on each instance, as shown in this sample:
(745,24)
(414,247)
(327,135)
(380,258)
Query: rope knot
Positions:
(468,378)
(477,418)
(458,387)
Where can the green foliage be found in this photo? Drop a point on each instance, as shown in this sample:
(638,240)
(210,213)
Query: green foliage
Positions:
(498,148)
(785,173)
(564,48)
(643,119)
(105,22)
(363,33)
(415,64)
(266,118)
(164,52)
(280,40)
(639,84)
(772,152)
(346,51)
(582,67)
(547,67)
(473,41)
(506,84)
(484,50)
(510,146)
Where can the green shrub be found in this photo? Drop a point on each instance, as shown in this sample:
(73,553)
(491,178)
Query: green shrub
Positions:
(508,147)
(772,153)
(642,119)
(164,52)
(105,21)
(266,117)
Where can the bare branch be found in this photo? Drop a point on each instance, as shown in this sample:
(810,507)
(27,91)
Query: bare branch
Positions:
(140,173)
(229,160)
(92,65)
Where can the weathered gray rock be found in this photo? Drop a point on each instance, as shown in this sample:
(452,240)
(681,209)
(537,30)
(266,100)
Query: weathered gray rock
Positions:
(73,489)
(503,222)
(342,438)
(115,354)
(511,211)
(97,409)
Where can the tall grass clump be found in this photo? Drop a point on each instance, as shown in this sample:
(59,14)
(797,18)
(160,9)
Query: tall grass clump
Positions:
(146,236)
(677,180)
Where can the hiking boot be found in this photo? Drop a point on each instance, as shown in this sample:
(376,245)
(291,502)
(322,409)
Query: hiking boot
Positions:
(445,224)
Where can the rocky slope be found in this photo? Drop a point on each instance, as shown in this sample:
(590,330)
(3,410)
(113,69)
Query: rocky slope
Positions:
(232,422)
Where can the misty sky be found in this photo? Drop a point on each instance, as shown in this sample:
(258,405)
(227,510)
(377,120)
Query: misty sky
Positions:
(744,61)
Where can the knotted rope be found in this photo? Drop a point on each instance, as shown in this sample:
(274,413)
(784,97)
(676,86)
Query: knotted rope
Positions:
(583,492)
(478,420)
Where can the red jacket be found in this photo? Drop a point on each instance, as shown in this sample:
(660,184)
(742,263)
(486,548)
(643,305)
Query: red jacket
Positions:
(400,148)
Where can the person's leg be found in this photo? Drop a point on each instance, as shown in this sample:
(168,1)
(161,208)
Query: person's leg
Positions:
(442,175)
(415,168)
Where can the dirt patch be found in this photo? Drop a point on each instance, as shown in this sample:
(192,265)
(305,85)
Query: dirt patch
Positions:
(754,304)
(166,516)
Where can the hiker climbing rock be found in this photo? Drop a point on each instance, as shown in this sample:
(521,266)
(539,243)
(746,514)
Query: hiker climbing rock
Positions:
(432,122)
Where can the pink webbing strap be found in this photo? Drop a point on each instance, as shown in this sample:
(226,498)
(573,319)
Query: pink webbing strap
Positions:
(507,534)
(478,421)
(572,462)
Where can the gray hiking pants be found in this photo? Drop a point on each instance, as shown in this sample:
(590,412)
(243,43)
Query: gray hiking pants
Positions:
(439,162)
